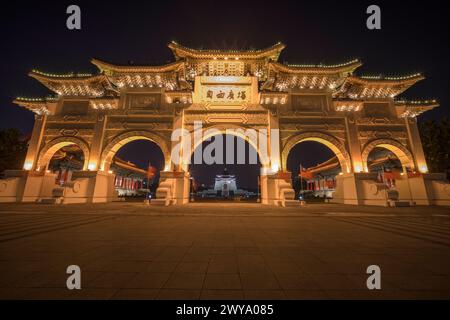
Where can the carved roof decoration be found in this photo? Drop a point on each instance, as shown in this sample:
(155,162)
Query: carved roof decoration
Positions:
(181,52)
(376,87)
(36,105)
(170,76)
(411,109)
(112,69)
(283,77)
(342,68)
(73,84)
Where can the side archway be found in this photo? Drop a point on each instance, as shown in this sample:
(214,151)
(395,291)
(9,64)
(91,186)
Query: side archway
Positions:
(54,145)
(402,153)
(331,142)
(122,139)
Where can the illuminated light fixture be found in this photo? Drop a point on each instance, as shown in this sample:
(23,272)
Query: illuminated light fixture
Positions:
(91,166)
(47,171)
(358,168)
(275,167)
(28,165)
(423,169)
(341,173)
(226,58)
(237,58)
(167,167)
(215,58)
(110,172)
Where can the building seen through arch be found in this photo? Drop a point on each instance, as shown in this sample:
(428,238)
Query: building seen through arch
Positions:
(231,177)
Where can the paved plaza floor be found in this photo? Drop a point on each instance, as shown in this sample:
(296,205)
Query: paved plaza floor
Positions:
(223,251)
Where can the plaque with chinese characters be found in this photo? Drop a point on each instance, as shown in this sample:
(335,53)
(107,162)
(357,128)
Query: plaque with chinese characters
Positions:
(226,94)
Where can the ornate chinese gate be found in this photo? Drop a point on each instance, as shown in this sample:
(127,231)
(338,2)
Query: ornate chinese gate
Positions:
(225,89)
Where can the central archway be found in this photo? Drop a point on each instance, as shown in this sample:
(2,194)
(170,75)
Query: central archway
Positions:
(234,177)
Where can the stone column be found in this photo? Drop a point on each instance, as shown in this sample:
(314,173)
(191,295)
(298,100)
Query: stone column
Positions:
(97,143)
(35,142)
(275,183)
(352,137)
(174,183)
(273,135)
(416,145)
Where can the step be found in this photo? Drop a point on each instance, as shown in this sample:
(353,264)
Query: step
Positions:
(393,203)
(49,201)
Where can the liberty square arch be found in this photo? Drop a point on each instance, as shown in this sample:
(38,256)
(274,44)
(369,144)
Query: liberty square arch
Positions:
(329,104)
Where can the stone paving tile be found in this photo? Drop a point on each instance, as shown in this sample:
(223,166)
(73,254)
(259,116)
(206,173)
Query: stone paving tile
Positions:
(259,282)
(419,282)
(168,294)
(161,267)
(196,257)
(306,294)
(55,293)
(110,280)
(135,294)
(222,281)
(147,280)
(222,294)
(297,282)
(265,295)
(185,281)
(192,267)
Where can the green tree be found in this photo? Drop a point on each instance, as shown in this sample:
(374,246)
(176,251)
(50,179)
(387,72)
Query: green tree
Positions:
(13,148)
(435,136)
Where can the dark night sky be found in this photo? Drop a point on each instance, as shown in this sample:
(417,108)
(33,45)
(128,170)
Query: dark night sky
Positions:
(414,38)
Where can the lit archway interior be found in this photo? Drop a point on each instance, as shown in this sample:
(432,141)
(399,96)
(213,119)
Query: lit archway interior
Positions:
(382,159)
(66,159)
(136,166)
(386,164)
(230,174)
(319,165)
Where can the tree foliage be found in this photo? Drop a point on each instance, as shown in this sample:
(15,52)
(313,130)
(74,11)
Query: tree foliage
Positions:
(435,136)
(13,148)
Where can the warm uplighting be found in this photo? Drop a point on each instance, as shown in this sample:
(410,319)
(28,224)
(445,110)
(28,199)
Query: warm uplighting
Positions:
(358,168)
(275,168)
(28,165)
(91,166)
(110,172)
(167,167)
(341,173)
(423,169)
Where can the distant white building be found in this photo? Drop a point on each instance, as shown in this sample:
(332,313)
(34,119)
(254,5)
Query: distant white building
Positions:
(225,184)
